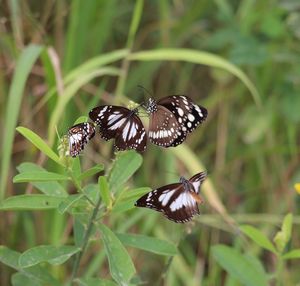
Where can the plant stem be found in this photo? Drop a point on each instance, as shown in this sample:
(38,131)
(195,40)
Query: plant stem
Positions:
(85,239)
(279,270)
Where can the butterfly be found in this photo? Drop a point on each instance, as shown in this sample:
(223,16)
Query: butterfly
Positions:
(179,201)
(121,124)
(79,135)
(172,118)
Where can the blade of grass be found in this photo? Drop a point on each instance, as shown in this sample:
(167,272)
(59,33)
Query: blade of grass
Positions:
(194,165)
(197,57)
(22,70)
(70,92)
(137,14)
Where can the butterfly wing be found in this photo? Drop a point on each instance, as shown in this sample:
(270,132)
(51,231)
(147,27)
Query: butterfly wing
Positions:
(163,127)
(188,114)
(78,136)
(122,124)
(132,135)
(110,119)
(197,180)
(176,203)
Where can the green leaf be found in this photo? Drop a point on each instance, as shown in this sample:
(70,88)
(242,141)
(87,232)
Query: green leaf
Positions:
(127,199)
(36,273)
(282,237)
(95,282)
(148,243)
(293,254)
(104,191)
(120,264)
(47,253)
(258,237)
(20,279)
(16,90)
(48,188)
(197,57)
(124,166)
(69,202)
(31,202)
(90,172)
(39,176)
(39,143)
(238,266)
(287,226)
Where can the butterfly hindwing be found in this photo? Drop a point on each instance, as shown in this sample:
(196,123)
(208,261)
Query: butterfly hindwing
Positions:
(121,124)
(178,202)
(132,136)
(78,136)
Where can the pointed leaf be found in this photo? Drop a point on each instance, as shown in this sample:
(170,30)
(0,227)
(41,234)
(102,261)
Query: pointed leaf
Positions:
(39,143)
(238,266)
(258,237)
(69,202)
(36,273)
(104,191)
(120,264)
(148,243)
(293,254)
(48,188)
(39,176)
(127,199)
(47,253)
(124,166)
(90,172)
(31,202)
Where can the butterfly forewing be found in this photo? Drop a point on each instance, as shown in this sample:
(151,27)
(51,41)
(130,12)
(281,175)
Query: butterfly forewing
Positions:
(178,202)
(197,180)
(188,114)
(121,124)
(79,135)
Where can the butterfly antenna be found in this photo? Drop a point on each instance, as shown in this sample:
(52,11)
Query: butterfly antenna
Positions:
(147,91)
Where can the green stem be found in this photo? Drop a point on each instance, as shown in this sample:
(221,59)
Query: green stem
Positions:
(78,187)
(85,240)
(279,270)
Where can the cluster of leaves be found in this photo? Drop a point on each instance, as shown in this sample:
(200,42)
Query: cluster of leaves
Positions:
(248,269)
(89,206)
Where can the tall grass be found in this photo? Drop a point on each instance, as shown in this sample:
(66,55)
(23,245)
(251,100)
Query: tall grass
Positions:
(240,60)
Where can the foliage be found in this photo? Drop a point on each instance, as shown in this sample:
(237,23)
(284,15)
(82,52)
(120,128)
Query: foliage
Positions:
(239,59)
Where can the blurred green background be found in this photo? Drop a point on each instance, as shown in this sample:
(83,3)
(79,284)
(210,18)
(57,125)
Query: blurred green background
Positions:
(249,144)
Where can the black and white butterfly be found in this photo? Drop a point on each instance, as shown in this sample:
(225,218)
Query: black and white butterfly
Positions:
(172,118)
(179,201)
(121,124)
(79,135)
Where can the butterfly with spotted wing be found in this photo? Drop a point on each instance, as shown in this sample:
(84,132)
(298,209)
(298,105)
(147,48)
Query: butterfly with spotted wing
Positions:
(179,201)
(121,124)
(79,135)
(172,118)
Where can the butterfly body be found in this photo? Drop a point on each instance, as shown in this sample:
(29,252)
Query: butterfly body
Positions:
(178,202)
(172,118)
(121,124)
(79,135)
